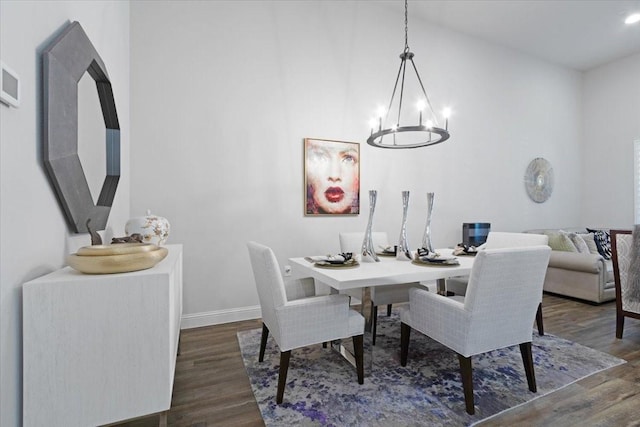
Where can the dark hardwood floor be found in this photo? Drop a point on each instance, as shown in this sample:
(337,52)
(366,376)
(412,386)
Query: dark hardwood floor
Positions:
(212,389)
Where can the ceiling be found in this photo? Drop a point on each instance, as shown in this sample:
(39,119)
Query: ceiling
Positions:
(579,34)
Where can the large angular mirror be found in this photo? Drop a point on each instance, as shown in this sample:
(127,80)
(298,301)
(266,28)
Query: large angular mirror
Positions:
(91,136)
(68,60)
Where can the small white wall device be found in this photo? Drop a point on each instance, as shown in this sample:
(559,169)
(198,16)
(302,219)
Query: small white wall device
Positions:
(9,86)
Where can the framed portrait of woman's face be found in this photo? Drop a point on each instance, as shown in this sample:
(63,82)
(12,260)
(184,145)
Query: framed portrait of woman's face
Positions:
(331,177)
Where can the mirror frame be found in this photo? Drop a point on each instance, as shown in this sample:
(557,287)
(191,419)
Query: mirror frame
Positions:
(65,61)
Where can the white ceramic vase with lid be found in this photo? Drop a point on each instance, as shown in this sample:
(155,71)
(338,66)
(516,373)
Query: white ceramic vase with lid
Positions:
(153,229)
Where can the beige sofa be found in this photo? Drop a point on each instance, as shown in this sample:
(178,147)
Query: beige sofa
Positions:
(587,276)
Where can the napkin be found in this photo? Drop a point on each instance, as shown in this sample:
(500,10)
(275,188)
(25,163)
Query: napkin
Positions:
(462,249)
(333,259)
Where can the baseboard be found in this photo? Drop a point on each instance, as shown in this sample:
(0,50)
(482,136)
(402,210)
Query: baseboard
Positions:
(198,320)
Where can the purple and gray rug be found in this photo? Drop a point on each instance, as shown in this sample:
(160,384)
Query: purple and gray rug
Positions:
(322,388)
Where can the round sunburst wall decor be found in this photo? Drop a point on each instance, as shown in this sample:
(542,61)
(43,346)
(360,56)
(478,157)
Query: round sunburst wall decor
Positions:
(538,180)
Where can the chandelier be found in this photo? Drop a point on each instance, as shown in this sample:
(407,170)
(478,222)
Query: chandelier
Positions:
(425,130)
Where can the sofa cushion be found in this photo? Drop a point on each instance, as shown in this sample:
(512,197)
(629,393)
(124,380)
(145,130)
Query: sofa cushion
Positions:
(591,243)
(560,241)
(579,243)
(574,261)
(603,242)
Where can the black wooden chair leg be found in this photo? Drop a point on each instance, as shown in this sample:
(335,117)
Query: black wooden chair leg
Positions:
(527,360)
(374,323)
(539,320)
(405,333)
(619,325)
(466,373)
(282,375)
(388,309)
(263,342)
(358,349)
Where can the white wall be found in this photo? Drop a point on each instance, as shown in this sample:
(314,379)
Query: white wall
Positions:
(35,236)
(223,94)
(611,123)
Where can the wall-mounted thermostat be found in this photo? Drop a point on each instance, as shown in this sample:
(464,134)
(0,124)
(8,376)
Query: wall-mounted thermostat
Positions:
(9,86)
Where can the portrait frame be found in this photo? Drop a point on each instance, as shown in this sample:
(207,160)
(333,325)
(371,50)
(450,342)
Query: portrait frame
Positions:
(331,177)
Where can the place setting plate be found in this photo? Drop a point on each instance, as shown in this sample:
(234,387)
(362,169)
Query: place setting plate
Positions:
(352,263)
(464,250)
(436,260)
(390,254)
(467,253)
(345,260)
(386,251)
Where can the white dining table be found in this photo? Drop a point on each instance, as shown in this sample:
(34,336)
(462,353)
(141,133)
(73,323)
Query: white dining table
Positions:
(388,271)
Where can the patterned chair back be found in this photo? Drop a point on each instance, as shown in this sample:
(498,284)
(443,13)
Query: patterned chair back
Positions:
(622,242)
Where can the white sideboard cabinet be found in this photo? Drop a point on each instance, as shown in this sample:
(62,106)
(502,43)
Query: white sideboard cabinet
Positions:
(98,349)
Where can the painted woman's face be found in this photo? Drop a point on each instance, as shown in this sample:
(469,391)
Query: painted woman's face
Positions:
(333,175)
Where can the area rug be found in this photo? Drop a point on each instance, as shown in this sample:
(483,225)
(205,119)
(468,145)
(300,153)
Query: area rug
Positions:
(322,388)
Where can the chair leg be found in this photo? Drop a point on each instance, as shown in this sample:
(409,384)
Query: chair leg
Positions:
(282,375)
(527,360)
(358,349)
(263,342)
(374,323)
(539,320)
(466,373)
(324,344)
(405,333)
(388,310)
(619,325)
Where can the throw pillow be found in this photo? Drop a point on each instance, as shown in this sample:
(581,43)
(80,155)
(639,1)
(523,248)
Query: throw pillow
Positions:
(579,243)
(603,242)
(559,241)
(591,243)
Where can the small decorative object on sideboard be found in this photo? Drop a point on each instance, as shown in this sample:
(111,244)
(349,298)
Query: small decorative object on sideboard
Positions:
(134,238)
(154,229)
(95,237)
(120,258)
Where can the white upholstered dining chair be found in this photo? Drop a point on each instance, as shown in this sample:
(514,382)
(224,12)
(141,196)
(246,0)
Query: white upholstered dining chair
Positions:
(303,321)
(497,311)
(380,295)
(500,240)
(627,295)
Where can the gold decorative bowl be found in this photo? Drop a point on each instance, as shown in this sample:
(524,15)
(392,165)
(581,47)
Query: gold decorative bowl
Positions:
(116,258)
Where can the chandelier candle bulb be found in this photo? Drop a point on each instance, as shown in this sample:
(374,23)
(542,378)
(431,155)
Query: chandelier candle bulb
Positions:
(446,113)
(632,19)
(420,106)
